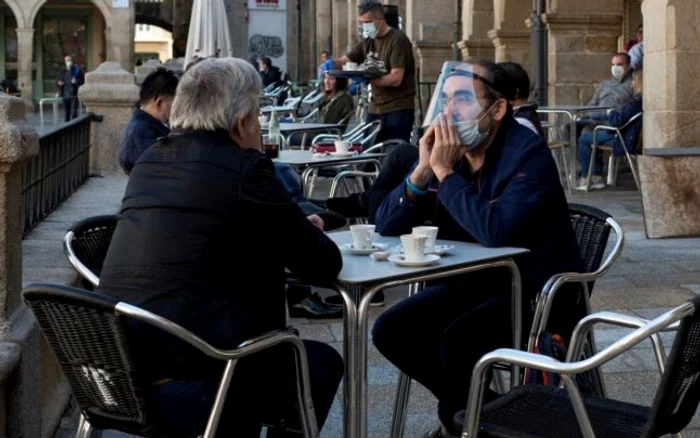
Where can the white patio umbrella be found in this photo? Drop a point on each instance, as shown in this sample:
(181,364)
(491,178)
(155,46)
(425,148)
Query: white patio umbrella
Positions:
(209,34)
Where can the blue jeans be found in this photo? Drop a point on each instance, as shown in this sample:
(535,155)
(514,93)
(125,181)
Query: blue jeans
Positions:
(395,125)
(585,151)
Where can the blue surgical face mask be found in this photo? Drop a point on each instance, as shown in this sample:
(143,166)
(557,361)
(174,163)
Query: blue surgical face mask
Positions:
(469,134)
(369,30)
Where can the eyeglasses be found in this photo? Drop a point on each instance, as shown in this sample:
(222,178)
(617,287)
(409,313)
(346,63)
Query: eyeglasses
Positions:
(460,100)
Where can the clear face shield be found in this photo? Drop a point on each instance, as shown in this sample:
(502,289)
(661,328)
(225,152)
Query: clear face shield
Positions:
(461,95)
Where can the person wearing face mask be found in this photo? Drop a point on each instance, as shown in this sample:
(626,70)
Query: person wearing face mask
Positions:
(150,121)
(70,78)
(617,90)
(480,177)
(204,238)
(392,95)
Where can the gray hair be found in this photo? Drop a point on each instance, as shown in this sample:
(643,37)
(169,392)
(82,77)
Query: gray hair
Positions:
(374,6)
(215,94)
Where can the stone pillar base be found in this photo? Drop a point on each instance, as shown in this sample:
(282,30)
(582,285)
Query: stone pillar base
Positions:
(670,196)
(477,48)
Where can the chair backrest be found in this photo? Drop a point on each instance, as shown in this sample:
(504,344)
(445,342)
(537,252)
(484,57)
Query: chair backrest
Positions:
(89,341)
(678,394)
(370,135)
(592,232)
(86,244)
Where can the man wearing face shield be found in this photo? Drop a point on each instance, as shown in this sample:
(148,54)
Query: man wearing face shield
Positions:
(481,177)
(386,48)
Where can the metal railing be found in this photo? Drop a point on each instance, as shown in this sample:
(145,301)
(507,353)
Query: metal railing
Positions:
(54,101)
(61,166)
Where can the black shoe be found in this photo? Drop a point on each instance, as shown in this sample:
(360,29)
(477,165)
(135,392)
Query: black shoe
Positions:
(337,300)
(350,207)
(313,307)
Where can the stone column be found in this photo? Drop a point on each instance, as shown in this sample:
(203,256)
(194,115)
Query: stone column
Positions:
(20,395)
(25,65)
(109,91)
(340,28)
(120,37)
(510,35)
(352,23)
(581,44)
(477,20)
(670,189)
(324,25)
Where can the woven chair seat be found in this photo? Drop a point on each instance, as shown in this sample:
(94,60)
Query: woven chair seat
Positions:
(546,412)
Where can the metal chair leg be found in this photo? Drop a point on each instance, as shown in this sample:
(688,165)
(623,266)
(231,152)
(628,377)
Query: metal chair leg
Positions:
(403,392)
(85,430)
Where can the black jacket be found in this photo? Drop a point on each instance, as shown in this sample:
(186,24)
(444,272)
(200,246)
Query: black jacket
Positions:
(142,131)
(204,236)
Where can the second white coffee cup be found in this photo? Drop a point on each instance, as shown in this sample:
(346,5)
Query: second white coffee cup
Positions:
(362,236)
(431,234)
(413,247)
(342,146)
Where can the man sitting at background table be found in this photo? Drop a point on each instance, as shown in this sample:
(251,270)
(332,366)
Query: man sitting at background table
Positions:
(480,177)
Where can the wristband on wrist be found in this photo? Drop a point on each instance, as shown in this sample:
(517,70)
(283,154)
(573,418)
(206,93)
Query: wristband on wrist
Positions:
(415,190)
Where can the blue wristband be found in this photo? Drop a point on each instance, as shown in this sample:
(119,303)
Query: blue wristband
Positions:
(415,190)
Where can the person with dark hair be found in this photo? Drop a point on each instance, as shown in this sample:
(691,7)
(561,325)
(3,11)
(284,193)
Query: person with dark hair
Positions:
(150,121)
(385,48)
(639,35)
(337,104)
(524,111)
(268,72)
(480,177)
(323,61)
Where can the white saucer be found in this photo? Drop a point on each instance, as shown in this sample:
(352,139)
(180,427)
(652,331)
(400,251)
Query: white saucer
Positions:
(342,154)
(349,248)
(428,260)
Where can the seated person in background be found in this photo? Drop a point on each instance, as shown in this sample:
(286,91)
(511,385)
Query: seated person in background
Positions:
(616,118)
(337,104)
(150,121)
(204,237)
(617,90)
(480,177)
(268,72)
(524,111)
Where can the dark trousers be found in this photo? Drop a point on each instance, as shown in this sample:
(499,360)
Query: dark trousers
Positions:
(437,336)
(395,125)
(262,393)
(70,108)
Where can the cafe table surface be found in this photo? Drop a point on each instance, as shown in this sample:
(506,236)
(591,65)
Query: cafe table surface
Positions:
(361,277)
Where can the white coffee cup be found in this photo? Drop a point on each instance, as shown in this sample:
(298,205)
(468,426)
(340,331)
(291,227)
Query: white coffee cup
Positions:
(413,247)
(342,146)
(362,236)
(429,232)
(350,66)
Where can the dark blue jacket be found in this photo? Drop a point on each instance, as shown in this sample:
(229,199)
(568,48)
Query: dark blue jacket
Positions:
(619,117)
(142,131)
(515,200)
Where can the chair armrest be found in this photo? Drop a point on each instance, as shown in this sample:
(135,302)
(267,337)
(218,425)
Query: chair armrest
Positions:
(73,259)
(247,348)
(564,369)
(321,137)
(348,174)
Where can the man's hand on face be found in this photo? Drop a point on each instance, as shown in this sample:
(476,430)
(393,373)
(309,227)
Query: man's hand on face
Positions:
(423,173)
(447,149)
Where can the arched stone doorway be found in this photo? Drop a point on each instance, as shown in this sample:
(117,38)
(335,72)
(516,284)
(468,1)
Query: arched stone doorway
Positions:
(152,42)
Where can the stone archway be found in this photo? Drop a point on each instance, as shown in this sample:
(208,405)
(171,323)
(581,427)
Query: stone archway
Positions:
(154,21)
(477,20)
(99,4)
(510,35)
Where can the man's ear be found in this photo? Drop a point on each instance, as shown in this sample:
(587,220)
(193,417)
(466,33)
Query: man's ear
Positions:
(500,109)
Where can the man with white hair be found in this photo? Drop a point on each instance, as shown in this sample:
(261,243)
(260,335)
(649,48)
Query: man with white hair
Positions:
(204,236)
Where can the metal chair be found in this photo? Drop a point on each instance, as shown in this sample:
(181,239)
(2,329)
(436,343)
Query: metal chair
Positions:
(613,163)
(86,244)
(565,412)
(592,229)
(87,333)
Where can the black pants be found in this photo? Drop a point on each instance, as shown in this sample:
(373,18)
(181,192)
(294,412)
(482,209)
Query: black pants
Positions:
(70,108)
(262,393)
(437,336)
(395,125)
